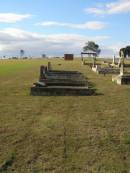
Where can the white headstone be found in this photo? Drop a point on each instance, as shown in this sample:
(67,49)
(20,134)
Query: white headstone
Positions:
(113,59)
(122,64)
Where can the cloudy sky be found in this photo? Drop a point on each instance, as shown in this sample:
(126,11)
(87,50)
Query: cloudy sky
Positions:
(55,27)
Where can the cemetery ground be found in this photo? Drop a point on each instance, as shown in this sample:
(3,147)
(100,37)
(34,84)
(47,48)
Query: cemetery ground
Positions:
(62,134)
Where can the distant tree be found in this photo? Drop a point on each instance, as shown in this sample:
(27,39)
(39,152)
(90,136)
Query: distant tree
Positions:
(126,51)
(22,53)
(92,46)
(14,57)
(43,55)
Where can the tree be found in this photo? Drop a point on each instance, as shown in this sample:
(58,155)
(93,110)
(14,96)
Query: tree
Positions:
(92,46)
(126,51)
(22,53)
(43,55)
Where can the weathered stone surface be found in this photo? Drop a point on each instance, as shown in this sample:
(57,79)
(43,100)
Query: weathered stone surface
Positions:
(62,91)
(105,70)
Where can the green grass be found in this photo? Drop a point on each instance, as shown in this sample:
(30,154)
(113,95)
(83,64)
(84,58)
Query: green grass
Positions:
(62,134)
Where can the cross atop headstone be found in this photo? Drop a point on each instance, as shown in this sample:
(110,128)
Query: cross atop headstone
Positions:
(122,63)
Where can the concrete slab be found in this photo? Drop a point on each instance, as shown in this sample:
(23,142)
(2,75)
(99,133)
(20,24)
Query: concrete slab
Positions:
(62,91)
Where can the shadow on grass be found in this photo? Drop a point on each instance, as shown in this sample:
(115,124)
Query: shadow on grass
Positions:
(8,163)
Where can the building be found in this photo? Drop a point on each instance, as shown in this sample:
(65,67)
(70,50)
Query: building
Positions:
(68,57)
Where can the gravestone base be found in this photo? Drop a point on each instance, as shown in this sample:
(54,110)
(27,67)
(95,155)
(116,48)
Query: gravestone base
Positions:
(126,65)
(105,70)
(114,65)
(61,91)
(95,69)
(121,79)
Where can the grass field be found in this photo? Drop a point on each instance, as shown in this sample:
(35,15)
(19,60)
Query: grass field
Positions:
(89,134)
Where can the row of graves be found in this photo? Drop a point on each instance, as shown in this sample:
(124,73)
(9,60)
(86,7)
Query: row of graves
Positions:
(99,68)
(61,83)
(116,68)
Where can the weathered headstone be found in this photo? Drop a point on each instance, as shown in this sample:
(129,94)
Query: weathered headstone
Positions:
(43,70)
(113,62)
(49,67)
(122,64)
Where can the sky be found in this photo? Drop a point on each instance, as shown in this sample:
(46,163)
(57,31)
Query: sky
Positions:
(55,27)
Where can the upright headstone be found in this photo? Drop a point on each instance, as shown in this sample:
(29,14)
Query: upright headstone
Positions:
(43,70)
(122,64)
(113,60)
(49,66)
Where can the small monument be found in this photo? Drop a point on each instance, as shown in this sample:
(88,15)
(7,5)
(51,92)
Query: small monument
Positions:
(49,66)
(114,60)
(122,64)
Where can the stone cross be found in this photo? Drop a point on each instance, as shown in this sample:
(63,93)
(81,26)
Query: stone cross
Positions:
(122,63)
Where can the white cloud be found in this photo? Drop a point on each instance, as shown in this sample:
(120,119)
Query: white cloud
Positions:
(95,11)
(12,17)
(95,25)
(12,40)
(120,6)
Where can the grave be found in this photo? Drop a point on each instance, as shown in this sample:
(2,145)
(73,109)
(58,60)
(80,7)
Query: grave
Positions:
(122,78)
(105,70)
(56,82)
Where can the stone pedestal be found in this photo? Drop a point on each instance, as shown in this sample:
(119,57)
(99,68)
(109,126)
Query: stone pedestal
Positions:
(95,68)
